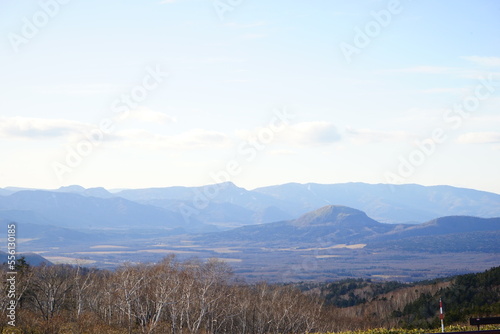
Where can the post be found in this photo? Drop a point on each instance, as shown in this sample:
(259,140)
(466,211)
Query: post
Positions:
(441,315)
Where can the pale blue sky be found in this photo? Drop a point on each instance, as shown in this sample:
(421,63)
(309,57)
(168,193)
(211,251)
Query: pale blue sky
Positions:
(353,119)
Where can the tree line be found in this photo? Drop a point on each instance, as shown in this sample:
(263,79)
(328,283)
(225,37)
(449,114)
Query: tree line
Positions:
(469,295)
(204,297)
(166,297)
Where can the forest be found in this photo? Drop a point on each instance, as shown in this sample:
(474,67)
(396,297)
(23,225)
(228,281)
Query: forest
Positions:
(193,296)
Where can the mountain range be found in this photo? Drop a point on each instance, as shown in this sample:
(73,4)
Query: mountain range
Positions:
(267,231)
(227,205)
(68,209)
(386,203)
(339,225)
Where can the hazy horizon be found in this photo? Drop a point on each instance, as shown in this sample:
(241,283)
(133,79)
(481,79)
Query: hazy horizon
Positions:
(115,190)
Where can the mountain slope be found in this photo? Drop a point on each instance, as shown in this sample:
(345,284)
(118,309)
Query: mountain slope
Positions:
(224,202)
(467,296)
(31,258)
(445,234)
(76,211)
(227,205)
(407,203)
(93,192)
(477,241)
(220,214)
(336,242)
(5,192)
(447,225)
(333,223)
(398,305)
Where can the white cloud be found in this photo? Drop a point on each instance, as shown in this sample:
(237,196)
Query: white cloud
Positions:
(199,138)
(73,131)
(36,128)
(189,140)
(300,134)
(480,138)
(484,61)
(40,128)
(364,136)
(313,133)
(143,114)
(80,90)
(487,120)
(282,152)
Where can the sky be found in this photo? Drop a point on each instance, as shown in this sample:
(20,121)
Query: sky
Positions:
(136,94)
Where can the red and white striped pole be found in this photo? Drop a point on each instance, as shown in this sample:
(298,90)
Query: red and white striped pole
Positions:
(441,315)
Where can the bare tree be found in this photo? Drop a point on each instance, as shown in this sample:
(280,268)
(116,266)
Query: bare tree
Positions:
(158,290)
(50,288)
(128,283)
(180,297)
(82,281)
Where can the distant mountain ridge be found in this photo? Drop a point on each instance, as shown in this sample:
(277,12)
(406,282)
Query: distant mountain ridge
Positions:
(344,225)
(330,241)
(227,205)
(336,215)
(71,210)
(408,203)
(391,203)
(92,192)
(445,225)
